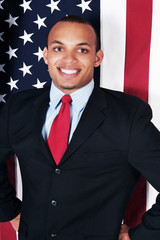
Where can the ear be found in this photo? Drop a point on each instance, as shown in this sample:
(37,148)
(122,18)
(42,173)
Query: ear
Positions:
(99,58)
(45,55)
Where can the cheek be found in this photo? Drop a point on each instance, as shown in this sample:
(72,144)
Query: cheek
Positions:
(52,67)
(89,65)
(89,62)
(52,59)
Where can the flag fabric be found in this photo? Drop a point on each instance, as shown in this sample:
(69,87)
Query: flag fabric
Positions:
(130,35)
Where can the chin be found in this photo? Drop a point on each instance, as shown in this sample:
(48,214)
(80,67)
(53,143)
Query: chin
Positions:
(67,86)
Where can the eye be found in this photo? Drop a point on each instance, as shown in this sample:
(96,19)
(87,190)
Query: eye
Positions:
(58,49)
(82,50)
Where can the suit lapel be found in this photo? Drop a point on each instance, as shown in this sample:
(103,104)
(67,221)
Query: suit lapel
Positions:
(39,113)
(91,118)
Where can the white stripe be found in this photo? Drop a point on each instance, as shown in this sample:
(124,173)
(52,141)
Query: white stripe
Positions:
(18,180)
(154,81)
(113,38)
(18,183)
(154,76)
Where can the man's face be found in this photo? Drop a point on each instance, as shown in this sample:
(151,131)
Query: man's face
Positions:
(71,55)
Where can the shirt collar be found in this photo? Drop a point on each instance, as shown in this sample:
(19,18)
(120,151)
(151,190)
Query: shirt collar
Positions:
(79,97)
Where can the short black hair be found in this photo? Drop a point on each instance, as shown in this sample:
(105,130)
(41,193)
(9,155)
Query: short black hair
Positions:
(74,18)
(78,19)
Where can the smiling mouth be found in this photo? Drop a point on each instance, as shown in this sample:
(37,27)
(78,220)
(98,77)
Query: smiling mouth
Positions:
(69,72)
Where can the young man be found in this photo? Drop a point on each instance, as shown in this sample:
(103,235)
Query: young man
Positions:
(81,191)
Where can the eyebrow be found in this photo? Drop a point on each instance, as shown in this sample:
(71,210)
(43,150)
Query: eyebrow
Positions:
(56,41)
(79,44)
(83,44)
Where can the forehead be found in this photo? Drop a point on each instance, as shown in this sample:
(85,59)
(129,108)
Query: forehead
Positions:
(71,31)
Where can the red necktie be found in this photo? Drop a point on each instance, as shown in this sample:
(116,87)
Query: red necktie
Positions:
(58,136)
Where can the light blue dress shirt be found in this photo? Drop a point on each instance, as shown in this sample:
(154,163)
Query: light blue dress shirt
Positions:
(79,97)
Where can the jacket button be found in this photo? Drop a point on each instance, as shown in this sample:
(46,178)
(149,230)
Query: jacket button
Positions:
(57,171)
(54,203)
(53,235)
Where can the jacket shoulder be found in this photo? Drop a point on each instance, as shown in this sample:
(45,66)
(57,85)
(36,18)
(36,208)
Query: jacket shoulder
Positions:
(25,100)
(122,98)
(29,95)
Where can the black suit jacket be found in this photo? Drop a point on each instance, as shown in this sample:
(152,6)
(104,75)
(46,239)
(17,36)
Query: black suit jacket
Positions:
(85,196)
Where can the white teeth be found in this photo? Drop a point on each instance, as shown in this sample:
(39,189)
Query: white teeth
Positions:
(68,71)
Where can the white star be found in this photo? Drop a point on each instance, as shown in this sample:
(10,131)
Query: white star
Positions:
(25,69)
(39,84)
(39,54)
(2,67)
(40,22)
(26,37)
(12,20)
(84,5)
(26,6)
(2,98)
(11,52)
(1,4)
(1,39)
(53,5)
(12,83)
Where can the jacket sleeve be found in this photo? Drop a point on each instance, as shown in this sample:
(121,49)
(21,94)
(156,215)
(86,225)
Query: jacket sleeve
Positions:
(9,205)
(144,155)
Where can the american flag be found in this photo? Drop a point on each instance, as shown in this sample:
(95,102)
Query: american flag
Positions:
(130,38)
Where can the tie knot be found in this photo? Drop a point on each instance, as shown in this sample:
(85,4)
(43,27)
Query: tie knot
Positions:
(66,99)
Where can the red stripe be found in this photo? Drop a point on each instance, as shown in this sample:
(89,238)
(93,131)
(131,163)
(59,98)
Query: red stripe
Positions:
(136,80)
(6,230)
(138,38)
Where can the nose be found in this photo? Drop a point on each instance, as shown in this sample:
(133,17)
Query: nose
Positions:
(69,57)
